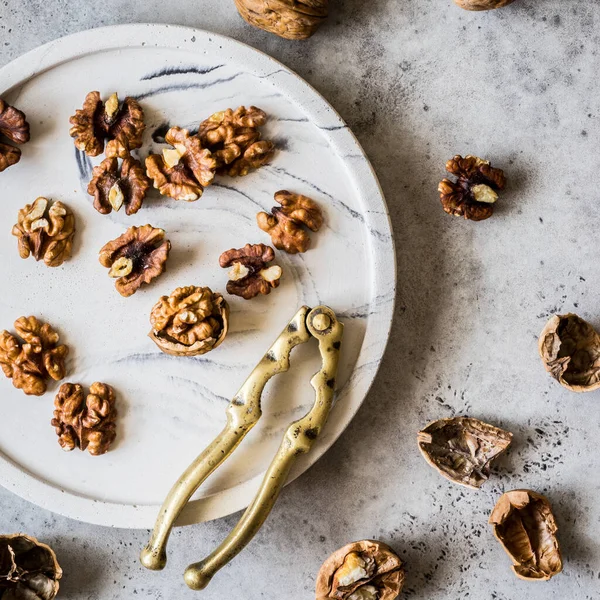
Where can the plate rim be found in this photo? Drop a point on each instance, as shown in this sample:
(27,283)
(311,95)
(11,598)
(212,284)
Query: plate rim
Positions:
(46,495)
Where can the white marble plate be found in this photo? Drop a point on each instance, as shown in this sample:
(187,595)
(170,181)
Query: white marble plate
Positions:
(170,407)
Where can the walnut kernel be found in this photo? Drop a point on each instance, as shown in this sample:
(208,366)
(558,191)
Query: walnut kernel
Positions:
(482,4)
(14,126)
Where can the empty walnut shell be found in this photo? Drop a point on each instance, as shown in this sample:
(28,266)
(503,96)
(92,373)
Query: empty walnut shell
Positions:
(462,448)
(28,569)
(365,570)
(570,351)
(482,4)
(524,524)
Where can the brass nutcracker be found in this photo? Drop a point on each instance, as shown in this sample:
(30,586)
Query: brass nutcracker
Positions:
(243,413)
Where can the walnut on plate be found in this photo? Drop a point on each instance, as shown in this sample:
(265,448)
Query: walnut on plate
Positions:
(183,171)
(250,274)
(114,187)
(14,127)
(121,123)
(482,4)
(286,223)
(136,257)
(28,569)
(524,524)
(474,192)
(191,321)
(462,448)
(233,138)
(85,422)
(45,230)
(365,570)
(33,357)
(290,19)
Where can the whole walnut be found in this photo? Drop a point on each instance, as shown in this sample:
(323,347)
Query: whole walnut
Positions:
(482,4)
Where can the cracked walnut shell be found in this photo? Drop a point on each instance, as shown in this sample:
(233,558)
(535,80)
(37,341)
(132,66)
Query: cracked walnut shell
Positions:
(33,357)
(114,187)
(14,126)
(524,524)
(366,570)
(250,274)
(290,19)
(136,257)
(570,350)
(183,171)
(482,4)
(122,124)
(28,569)
(191,321)
(85,422)
(45,230)
(474,192)
(462,448)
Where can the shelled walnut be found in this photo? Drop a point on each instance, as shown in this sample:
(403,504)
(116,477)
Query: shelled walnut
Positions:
(14,127)
(28,569)
(474,192)
(250,274)
(122,124)
(136,257)
(286,224)
(45,230)
(33,357)
(191,321)
(183,171)
(234,139)
(290,19)
(462,448)
(482,4)
(524,524)
(85,422)
(366,570)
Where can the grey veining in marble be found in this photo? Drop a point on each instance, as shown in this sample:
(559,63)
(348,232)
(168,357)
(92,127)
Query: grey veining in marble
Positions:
(417,81)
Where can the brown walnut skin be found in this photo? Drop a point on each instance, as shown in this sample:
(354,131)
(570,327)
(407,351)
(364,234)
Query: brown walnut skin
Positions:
(524,524)
(570,350)
(191,321)
(29,569)
(383,567)
(482,4)
(14,127)
(142,253)
(289,19)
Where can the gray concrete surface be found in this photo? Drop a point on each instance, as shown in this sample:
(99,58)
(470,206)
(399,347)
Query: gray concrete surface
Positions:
(417,80)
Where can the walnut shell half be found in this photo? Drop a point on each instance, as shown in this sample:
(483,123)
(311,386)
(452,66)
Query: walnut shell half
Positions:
(462,448)
(28,569)
(482,4)
(524,524)
(365,570)
(570,351)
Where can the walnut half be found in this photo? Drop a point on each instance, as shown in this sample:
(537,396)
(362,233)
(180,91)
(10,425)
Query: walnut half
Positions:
(482,4)
(14,126)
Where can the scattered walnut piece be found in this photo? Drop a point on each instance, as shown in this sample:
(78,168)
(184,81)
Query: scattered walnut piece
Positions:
(524,524)
(474,192)
(191,321)
(290,19)
(462,448)
(250,274)
(33,357)
(136,257)
(28,569)
(183,171)
(85,422)
(45,230)
(285,223)
(570,350)
(366,570)
(122,124)
(234,139)
(14,126)
(482,4)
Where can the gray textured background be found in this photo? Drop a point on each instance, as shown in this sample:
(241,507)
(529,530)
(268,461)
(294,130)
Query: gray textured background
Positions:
(417,80)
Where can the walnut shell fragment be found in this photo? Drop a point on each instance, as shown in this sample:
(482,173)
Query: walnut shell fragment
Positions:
(14,127)
(482,4)
(462,448)
(29,569)
(570,350)
(191,321)
(365,570)
(289,19)
(524,524)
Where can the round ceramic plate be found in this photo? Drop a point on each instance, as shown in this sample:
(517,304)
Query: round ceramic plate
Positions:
(170,408)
